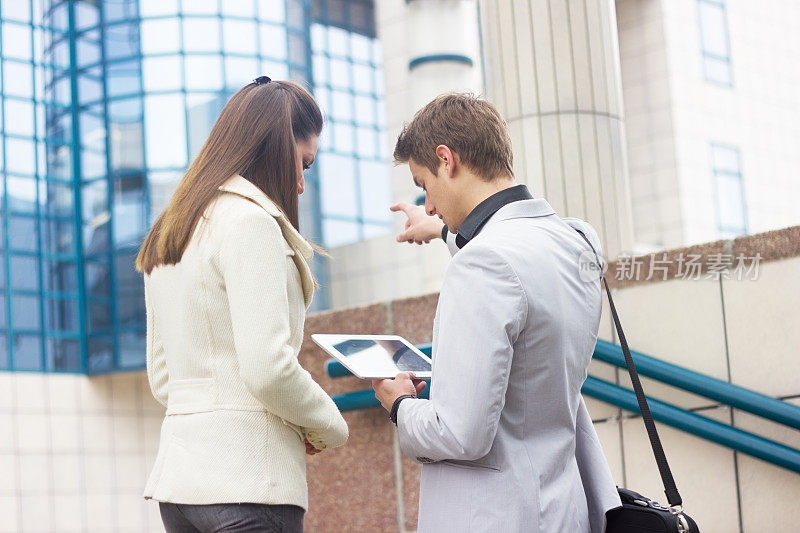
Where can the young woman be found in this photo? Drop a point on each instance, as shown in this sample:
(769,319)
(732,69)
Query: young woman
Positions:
(227,284)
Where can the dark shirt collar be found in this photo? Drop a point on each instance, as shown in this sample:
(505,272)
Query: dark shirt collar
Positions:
(483,211)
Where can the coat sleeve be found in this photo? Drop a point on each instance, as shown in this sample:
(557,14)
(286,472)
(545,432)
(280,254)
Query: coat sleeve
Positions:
(157,373)
(482,309)
(255,271)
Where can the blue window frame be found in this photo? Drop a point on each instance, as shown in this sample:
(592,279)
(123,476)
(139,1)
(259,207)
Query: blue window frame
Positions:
(731,207)
(103,106)
(715,42)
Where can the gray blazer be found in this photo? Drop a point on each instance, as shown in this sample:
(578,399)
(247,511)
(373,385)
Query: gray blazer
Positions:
(505,440)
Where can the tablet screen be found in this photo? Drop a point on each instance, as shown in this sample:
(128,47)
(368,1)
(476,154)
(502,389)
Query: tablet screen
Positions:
(401,355)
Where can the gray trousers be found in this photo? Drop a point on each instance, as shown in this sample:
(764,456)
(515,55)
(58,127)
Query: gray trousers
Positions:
(231,518)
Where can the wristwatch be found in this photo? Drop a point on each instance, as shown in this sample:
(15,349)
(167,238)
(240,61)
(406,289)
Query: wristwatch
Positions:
(396,406)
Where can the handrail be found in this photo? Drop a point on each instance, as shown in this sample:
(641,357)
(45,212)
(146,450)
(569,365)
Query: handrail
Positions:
(682,419)
(703,385)
(676,376)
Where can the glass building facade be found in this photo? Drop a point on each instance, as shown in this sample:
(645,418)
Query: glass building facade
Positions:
(105,103)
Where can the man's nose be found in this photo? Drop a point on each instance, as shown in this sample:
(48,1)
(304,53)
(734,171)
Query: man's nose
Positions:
(429,207)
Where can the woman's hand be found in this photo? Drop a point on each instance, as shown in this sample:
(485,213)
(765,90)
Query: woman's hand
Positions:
(310,450)
(420,227)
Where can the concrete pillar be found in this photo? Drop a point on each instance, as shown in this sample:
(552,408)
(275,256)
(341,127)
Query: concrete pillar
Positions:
(552,68)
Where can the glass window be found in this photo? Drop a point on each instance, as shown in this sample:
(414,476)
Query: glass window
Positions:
(129,211)
(319,66)
(239,36)
(20,11)
(121,40)
(240,71)
(132,349)
(17,79)
(319,38)
(5,363)
(21,194)
(165,130)
(93,129)
(98,317)
(338,40)
(129,292)
(64,355)
(93,164)
(725,159)
(240,8)
(60,199)
(156,8)
(27,352)
(94,201)
(273,41)
(338,184)
(376,190)
(343,138)
(272,10)
(203,73)
(59,162)
(202,110)
(24,160)
(363,77)
(22,233)
(730,195)
(714,41)
(340,232)
(200,7)
(25,272)
(62,315)
(201,35)
(101,355)
(122,78)
(365,110)
(162,73)
(341,106)
(366,142)
(88,52)
(17,41)
(160,36)
(61,276)
(361,47)
(119,10)
(297,49)
(25,312)
(274,69)
(97,277)
(60,237)
(87,15)
(161,186)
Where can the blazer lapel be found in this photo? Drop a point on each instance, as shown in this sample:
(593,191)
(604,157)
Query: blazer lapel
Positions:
(299,245)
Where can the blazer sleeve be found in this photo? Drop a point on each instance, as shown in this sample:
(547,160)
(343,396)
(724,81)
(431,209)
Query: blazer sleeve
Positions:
(482,309)
(157,373)
(254,268)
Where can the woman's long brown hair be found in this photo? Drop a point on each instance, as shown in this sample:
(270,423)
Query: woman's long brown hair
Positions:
(254,137)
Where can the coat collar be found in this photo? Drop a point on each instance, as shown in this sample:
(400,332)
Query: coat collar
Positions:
(533,208)
(303,252)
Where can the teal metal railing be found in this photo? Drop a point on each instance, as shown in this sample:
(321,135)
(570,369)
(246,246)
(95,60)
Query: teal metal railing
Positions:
(671,415)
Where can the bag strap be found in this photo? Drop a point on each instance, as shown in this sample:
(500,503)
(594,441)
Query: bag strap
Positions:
(670,489)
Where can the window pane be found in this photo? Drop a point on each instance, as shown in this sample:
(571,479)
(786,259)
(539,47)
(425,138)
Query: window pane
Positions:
(60,237)
(725,159)
(4,360)
(339,233)
(132,350)
(27,352)
(155,8)
(22,233)
(165,123)
(17,79)
(731,205)
(123,78)
(24,160)
(273,10)
(203,73)
(101,355)
(239,8)
(97,279)
(338,40)
(273,41)
(94,199)
(61,276)
(64,355)
(16,11)
(62,315)
(21,194)
(376,192)
(129,211)
(338,184)
(99,317)
(342,106)
(160,36)
(343,138)
(201,35)
(161,73)
(17,41)
(161,186)
(717,70)
(129,292)
(240,71)
(25,273)
(200,7)
(25,312)
(714,36)
(19,117)
(239,36)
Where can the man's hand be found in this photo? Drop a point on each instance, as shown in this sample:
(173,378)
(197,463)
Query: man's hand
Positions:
(388,390)
(420,227)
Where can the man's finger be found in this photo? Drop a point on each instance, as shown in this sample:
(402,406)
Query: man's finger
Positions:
(405,207)
(420,385)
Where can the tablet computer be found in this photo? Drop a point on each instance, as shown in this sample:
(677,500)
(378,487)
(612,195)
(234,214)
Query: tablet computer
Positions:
(375,356)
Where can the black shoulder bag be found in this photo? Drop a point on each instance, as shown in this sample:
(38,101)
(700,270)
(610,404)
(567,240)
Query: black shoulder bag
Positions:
(639,513)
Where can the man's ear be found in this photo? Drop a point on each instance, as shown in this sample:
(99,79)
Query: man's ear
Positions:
(447,160)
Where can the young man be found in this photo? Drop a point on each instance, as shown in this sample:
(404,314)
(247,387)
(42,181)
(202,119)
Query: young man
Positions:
(505,439)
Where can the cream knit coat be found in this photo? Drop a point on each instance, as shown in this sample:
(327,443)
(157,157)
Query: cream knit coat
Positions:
(224,327)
